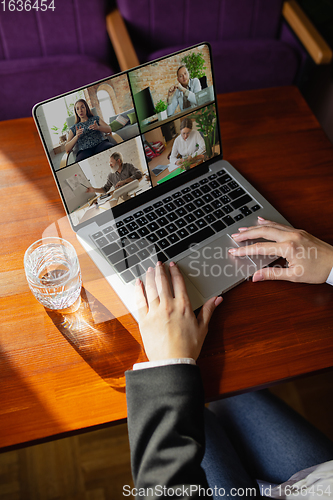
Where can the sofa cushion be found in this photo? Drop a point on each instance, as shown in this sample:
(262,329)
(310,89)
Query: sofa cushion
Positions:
(125,114)
(251,64)
(129,131)
(123,120)
(132,117)
(24,82)
(172,22)
(72,27)
(115,125)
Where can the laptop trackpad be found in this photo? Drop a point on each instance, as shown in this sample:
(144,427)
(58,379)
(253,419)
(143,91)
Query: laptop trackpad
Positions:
(212,270)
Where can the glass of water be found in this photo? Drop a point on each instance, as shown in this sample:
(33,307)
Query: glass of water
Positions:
(53,273)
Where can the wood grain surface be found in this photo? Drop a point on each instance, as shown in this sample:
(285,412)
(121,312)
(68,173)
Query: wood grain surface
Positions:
(61,373)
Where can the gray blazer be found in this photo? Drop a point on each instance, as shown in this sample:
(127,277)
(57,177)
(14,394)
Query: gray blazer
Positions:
(166,428)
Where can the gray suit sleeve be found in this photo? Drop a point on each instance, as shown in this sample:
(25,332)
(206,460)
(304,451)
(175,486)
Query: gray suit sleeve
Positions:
(166,429)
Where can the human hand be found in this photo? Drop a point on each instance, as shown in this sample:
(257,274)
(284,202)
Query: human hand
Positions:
(79,130)
(172,90)
(168,326)
(94,126)
(180,87)
(90,190)
(310,259)
(119,184)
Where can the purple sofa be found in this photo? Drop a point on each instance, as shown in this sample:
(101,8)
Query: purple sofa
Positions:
(43,54)
(251,47)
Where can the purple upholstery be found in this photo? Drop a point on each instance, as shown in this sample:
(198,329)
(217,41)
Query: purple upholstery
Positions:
(244,34)
(43,54)
(243,64)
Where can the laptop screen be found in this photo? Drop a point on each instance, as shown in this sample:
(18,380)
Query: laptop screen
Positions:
(113,141)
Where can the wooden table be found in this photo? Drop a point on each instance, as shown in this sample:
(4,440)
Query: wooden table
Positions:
(60,374)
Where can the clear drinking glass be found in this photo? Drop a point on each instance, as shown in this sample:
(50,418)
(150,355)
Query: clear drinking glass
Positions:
(53,273)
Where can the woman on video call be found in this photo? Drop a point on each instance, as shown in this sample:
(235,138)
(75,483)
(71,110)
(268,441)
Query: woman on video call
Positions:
(188,143)
(87,132)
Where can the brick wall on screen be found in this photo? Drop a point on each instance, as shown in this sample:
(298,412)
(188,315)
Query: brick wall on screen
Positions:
(118,90)
(160,76)
(123,93)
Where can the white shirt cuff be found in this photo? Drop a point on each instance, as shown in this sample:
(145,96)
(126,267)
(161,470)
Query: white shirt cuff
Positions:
(330,278)
(164,362)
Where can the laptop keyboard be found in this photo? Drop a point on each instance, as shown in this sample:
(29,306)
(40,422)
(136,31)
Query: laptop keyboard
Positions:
(164,229)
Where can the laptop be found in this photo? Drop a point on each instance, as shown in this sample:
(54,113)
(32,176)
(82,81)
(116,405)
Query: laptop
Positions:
(179,202)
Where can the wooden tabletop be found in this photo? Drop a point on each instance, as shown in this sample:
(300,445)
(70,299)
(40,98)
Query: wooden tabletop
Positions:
(65,373)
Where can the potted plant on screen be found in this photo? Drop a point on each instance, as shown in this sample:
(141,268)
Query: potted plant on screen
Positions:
(206,124)
(63,137)
(62,134)
(186,163)
(160,109)
(195,63)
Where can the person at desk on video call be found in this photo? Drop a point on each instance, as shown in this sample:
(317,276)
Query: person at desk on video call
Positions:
(188,143)
(178,444)
(121,174)
(182,93)
(87,132)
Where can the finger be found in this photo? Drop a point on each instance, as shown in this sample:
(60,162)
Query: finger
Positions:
(266,232)
(264,222)
(206,312)
(275,274)
(162,282)
(178,283)
(277,225)
(269,249)
(151,290)
(140,299)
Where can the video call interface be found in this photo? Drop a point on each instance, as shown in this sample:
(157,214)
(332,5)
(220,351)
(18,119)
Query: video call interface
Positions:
(116,139)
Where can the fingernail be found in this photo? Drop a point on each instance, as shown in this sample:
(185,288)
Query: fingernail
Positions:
(241,229)
(150,270)
(257,277)
(261,218)
(218,300)
(138,281)
(232,250)
(159,263)
(235,235)
(172,264)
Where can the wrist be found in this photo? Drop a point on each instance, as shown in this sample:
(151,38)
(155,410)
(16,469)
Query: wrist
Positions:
(164,362)
(329,280)
(329,264)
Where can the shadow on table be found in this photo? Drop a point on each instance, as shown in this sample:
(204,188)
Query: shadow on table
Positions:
(103,343)
(24,416)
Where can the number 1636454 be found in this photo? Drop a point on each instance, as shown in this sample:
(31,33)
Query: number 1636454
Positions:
(27,5)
